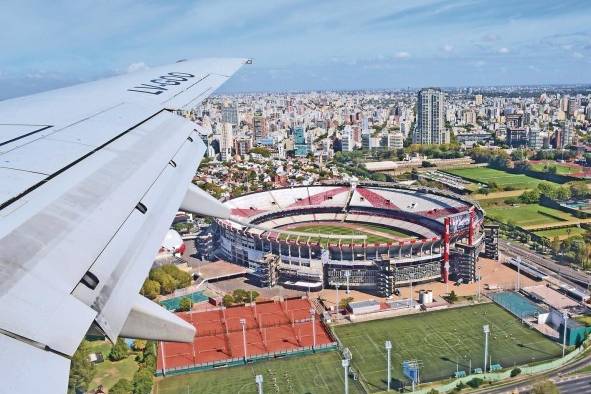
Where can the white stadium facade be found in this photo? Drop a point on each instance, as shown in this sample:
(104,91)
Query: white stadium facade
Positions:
(437,233)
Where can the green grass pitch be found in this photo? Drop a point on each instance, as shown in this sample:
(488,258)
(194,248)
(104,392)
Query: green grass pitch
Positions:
(528,214)
(319,373)
(440,339)
(345,230)
(501,178)
(560,232)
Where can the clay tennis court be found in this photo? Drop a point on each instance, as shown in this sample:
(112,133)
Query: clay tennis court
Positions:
(270,327)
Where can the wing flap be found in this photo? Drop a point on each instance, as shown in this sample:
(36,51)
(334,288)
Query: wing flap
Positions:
(148,320)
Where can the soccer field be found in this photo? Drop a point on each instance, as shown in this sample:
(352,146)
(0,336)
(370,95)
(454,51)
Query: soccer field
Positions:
(528,214)
(501,178)
(320,373)
(372,231)
(440,340)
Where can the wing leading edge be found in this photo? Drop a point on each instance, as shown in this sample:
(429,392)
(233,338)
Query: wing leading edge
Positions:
(96,172)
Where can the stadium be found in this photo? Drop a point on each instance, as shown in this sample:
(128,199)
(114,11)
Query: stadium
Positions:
(367,237)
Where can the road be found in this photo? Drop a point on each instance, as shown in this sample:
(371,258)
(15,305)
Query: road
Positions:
(567,274)
(567,383)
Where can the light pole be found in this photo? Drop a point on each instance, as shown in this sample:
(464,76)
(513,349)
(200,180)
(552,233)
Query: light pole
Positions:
(259,381)
(336,308)
(411,276)
(565,318)
(388,346)
(347,276)
(243,324)
(478,278)
(486,330)
(518,273)
(313,313)
(345,364)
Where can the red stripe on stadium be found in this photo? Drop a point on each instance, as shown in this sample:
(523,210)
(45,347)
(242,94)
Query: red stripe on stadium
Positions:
(318,198)
(439,213)
(375,199)
(245,212)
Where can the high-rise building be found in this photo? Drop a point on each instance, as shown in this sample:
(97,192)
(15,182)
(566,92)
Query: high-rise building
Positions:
(226,141)
(242,145)
(300,144)
(230,114)
(347,142)
(572,106)
(478,99)
(260,125)
(395,141)
(430,127)
(535,139)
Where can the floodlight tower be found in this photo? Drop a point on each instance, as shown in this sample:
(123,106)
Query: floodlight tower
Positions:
(388,345)
(243,324)
(336,308)
(313,316)
(564,318)
(347,276)
(345,364)
(486,330)
(259,381)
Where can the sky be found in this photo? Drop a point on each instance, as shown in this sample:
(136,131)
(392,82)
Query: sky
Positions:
(299,45)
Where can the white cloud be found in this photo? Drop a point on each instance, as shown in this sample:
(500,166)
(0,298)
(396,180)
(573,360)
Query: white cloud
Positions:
(479,63)
(448,48)
(504,50)
(139,66)
(402,55)
(578,55)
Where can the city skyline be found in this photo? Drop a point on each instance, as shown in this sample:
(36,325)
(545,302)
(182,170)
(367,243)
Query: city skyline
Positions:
(299,46)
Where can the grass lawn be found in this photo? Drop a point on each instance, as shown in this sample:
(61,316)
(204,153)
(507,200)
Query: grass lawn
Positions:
(501,178)
(562,233)
(345,230)
(441,339)
(320,373)
(561,169)
(109,372)
(528,214)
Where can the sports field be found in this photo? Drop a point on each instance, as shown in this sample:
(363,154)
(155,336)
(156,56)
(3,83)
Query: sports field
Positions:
(561,233)
(528,214)
(440,340)
(319,373)
(374,233)
(561,169)
(501,178)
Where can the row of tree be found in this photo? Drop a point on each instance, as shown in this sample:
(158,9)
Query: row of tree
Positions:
(239,296)
(142,381)
(558,193)
(164,280)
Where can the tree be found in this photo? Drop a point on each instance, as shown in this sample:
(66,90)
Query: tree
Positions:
(185,305)
(515,372)
(227,300)
(142,381)
(119,351)
(452,297)
(123,386)
(151,289)
(139,345)
(344,302)
(475,383)
(82,371)
(555,245)
(545,387)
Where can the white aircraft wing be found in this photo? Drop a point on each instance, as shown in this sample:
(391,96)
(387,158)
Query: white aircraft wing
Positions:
(91,177)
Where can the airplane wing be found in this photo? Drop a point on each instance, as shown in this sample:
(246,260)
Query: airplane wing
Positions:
(91,177)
